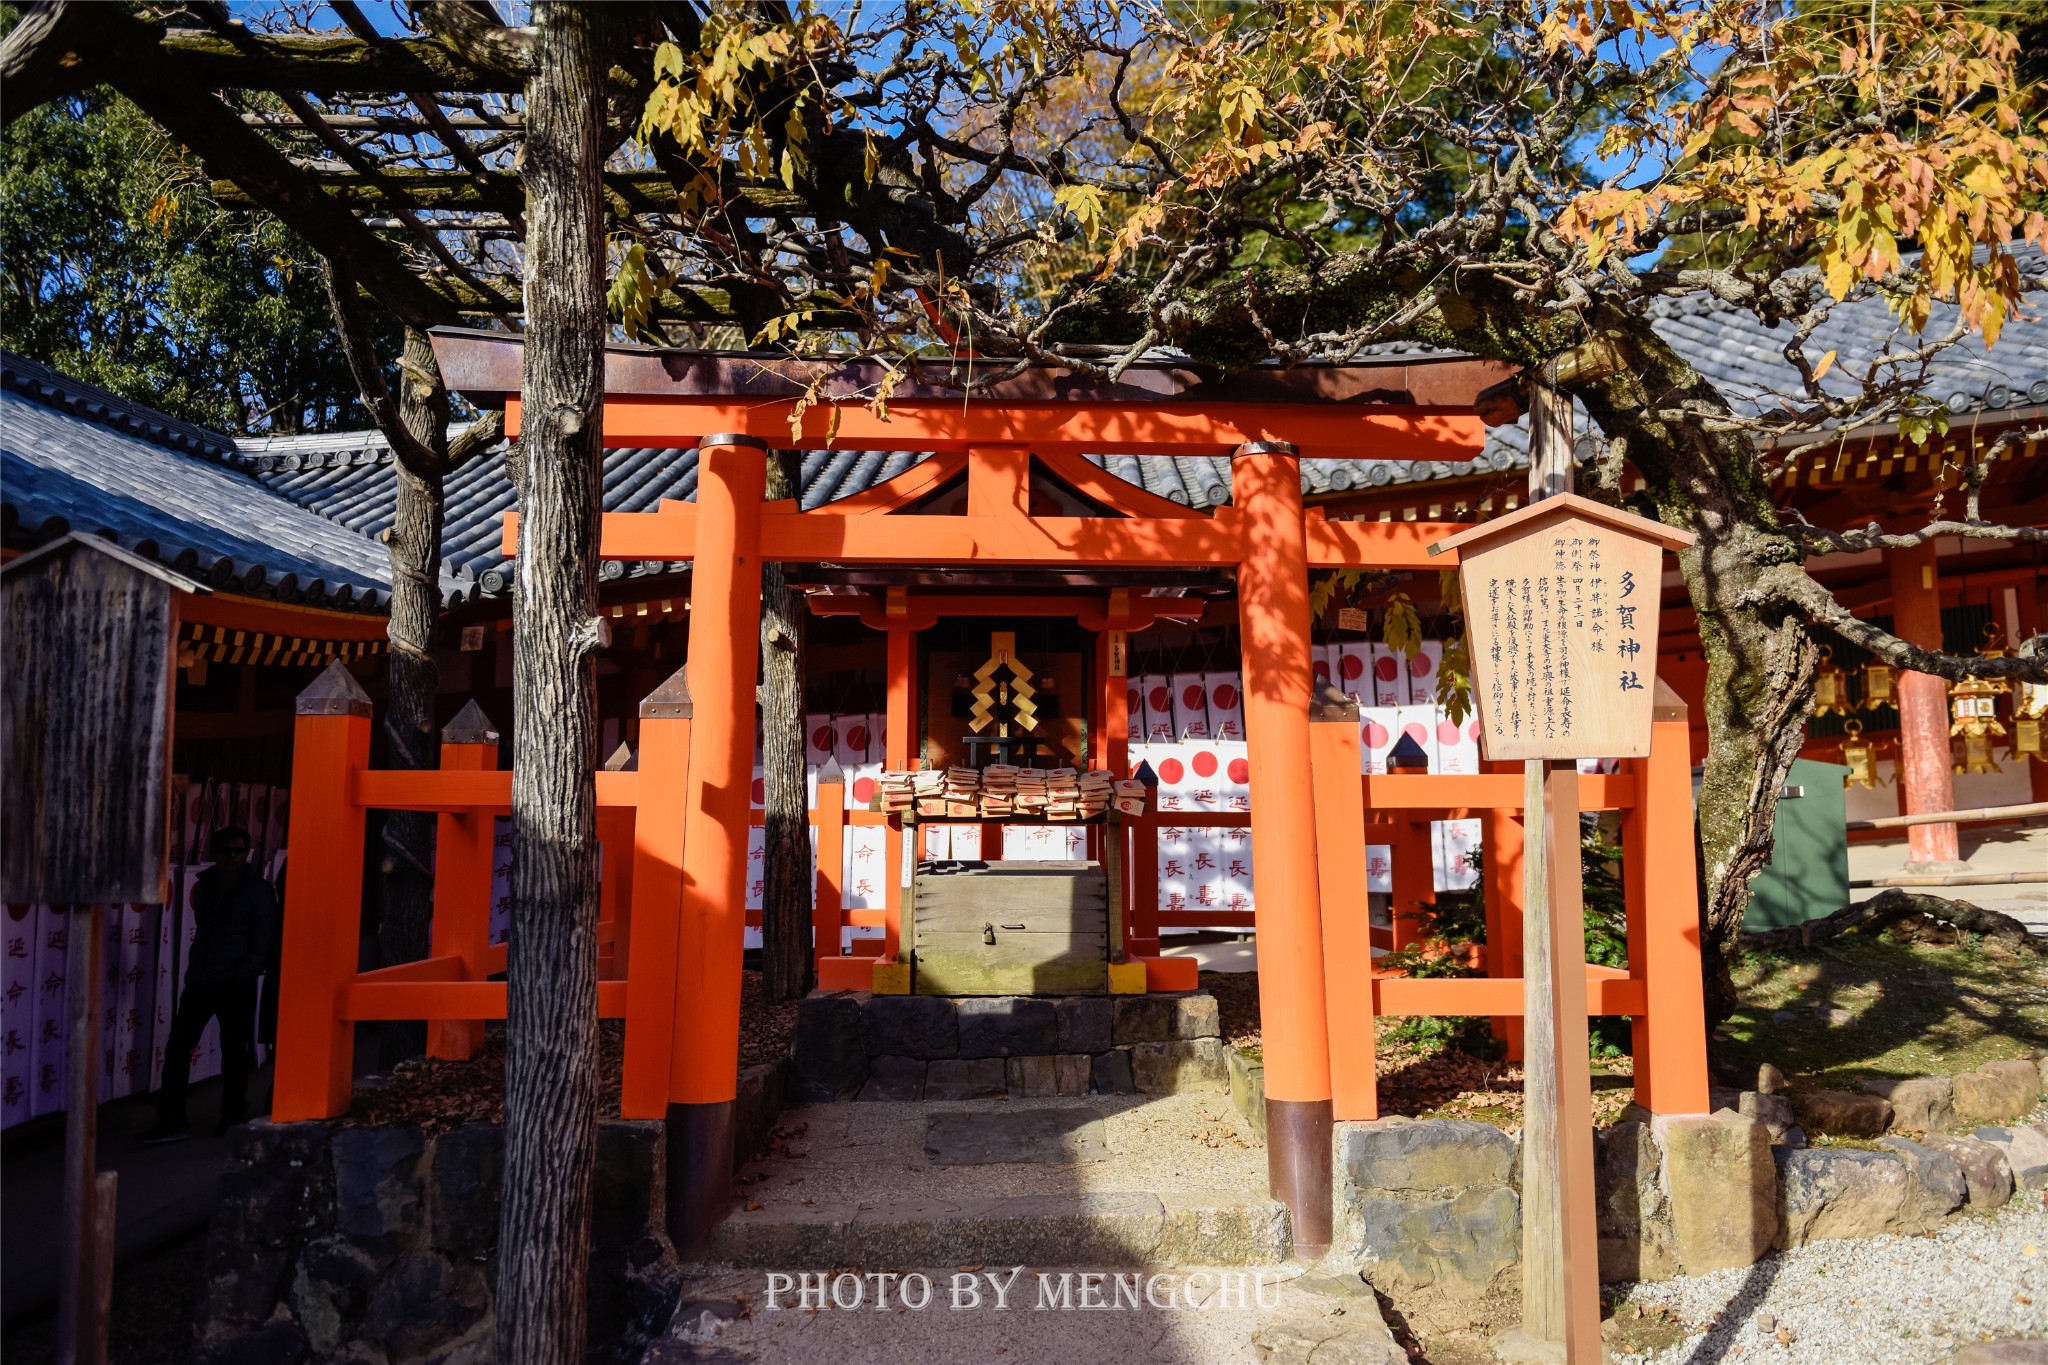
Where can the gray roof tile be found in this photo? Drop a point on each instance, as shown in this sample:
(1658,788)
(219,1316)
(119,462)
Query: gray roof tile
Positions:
(315,505)
(74,456)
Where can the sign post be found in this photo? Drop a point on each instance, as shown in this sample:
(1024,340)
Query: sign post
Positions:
(1561,603)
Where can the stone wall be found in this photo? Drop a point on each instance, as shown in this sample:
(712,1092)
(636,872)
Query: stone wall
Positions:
(1432,1208)
(851,1045)
(379,1244)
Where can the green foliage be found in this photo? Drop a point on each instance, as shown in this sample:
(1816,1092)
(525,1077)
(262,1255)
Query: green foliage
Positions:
(119,269)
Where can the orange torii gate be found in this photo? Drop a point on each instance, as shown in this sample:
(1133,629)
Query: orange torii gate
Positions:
(733,410)
(685,812)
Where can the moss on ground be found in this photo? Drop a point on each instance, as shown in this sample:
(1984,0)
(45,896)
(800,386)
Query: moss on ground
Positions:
(1901,1009)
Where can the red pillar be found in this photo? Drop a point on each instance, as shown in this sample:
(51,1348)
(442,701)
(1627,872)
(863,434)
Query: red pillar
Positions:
(1926,768)
(1504,873)
(323,902)
(896,745)
(725,655)
(1274,618)
(654,919)
(1347,920)
(462,878)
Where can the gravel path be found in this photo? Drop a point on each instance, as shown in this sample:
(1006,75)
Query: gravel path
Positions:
(1880,1300)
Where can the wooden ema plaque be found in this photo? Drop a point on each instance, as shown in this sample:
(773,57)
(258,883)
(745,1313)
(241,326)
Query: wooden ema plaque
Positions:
(1561,603)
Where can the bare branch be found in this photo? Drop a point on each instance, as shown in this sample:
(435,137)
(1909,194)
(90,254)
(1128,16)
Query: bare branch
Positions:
(1791,587)
(361,351)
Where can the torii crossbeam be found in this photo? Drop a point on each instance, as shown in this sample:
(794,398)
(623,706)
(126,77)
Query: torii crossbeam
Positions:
(1039,423)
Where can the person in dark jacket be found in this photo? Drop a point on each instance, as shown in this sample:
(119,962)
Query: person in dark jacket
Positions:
(235,917)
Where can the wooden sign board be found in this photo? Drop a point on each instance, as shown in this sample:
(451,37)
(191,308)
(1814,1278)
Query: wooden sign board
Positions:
(1561,604)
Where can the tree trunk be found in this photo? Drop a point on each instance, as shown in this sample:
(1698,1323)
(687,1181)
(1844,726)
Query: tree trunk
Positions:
(551,1066)
(411,741)
(1760,656)
(786,952)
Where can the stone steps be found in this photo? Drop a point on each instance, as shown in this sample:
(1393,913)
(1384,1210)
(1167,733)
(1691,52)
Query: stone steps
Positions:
(853,1045)
(1096,1229)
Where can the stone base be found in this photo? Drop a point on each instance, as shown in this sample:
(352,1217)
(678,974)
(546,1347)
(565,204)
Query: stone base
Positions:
(365,1243)
(858,1045)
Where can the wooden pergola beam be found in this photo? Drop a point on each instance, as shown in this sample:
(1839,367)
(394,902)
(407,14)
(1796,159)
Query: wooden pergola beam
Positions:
(326,64)
(217,135)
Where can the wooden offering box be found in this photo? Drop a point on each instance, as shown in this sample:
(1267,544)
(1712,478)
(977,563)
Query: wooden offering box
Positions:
(1012,928)
(1561,605)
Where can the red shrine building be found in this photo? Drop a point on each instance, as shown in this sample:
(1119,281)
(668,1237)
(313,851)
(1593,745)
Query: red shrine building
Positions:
(1067,622)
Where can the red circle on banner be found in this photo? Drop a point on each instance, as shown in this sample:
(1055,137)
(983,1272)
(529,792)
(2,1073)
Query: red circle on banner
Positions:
(760,792)
(857,737)
(1321,667)
(821,739)
(1240,771)
(1420,665)
(1446,732)
(1224,695)
(1191,696)
(1376,735)
(1385,669)
(1473,730)
(1417,731)
(1170,771)
(864,789)
(1353,666)
(1132,701)
(1204,764)
(1160,698)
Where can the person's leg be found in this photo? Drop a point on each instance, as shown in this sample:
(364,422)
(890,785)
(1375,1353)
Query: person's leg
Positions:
(237,1012)
(186,1025)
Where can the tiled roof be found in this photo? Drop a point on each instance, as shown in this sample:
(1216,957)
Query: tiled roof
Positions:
(1746,361)
(74,457)
(343,484)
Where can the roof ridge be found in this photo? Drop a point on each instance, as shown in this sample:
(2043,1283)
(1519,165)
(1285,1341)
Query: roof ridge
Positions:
(39,383)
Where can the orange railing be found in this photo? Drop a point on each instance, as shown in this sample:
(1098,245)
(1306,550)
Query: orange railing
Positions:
(1395,810)
(1661,989)
(640,837)
(640,824)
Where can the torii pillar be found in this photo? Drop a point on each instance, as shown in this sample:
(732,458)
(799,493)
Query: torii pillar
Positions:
(725,661)
(1274,617)
(1926,776)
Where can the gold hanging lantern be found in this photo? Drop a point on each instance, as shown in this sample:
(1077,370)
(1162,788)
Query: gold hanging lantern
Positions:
(1830,687)
(1974,704)
(2029,709)
(1860,755)
(1878,684)
(2026,738)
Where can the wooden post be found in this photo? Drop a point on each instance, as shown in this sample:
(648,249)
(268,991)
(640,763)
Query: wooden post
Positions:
(1273,610)
(655,918)
(1341,886)
(725,653)
(1144,874)
(81,1327)
(1554,1066)
(106,1195)
(323,904)
(828,912)
(462,878)
(1577,1269)
(1113,880)
(1670,1042)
